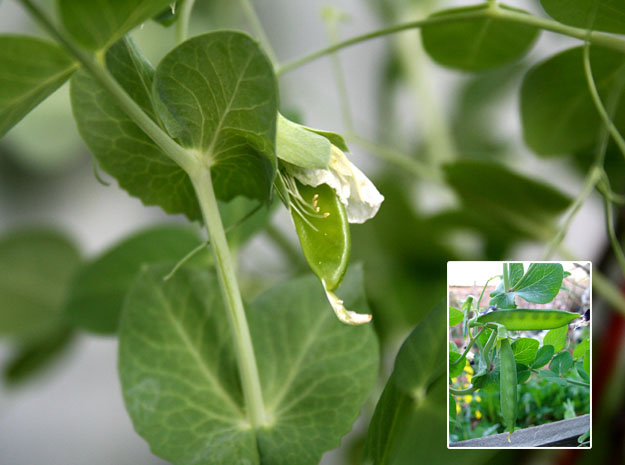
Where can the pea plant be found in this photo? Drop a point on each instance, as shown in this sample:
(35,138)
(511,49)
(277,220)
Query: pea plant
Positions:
(504,357)
(211,371)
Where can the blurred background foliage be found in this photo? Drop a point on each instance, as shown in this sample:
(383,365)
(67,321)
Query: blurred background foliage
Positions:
(415,115)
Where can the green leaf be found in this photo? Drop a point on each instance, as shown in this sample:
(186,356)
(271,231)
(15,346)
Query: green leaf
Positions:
(561,363)
(238,209)
(543,356)
(412,409)
(524,350)
(503,300)
(97,25)
(30,70)
(181,385)
(557,111)
(512,200)
(217,95)
(598,15)
(523,373)
(552,377)
(121,148)
(100,286)
(556,338)
(32,356)
(299,146)
(587,362)
(458,368)
(579,367)
(36,266)
(541,283)
(581,348)
(455,316)
(477,44)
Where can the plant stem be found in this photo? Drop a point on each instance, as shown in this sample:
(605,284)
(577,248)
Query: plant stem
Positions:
(397,158)
(462,392)
(494,11)
(248,371)
(108,82)
(578,383)
(471,342)
(506,278)
(182,24)
(616,246)
(596,98)
(482,294)
(438,140)
(601,283)
(259,32)
(591,181)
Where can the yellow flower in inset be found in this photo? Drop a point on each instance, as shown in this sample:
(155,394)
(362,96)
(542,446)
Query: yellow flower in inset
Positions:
(469,377)
(467,398)
(457,409)
(478,399)
(454,380)
(468,368)
(478,414)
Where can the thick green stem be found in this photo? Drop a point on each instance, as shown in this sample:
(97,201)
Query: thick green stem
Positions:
(506,278)
(494,11)
(244,349)
(182,24)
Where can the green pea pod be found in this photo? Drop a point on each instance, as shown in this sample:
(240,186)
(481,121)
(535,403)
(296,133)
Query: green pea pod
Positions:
(324,235)
(526,319)
(508,386)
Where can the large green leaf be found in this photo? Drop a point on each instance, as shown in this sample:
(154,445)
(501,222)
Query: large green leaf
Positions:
(541,282)
(556,338)
(557,110)
(477,44)
(412,409)
(509,199)
(36,267)
(30,70)
(217,94)
(98,24)
(600,15)
(100,286)
(524,350)
(121,148)
(181,385)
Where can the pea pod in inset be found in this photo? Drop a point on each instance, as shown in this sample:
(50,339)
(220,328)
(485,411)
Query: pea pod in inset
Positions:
(526,319)
(508,386)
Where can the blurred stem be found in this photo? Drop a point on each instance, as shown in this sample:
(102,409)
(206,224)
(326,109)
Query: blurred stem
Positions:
(439,144)
(494,11)
(596,98)
(462,392)
(182,25)
(332,20)
(397,158)
(244,349)
(607,205)
(602,285)
(257,27)
(466,350)
(591,181)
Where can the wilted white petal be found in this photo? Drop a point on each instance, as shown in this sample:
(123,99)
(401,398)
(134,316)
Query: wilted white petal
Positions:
(346,316)
(360,197)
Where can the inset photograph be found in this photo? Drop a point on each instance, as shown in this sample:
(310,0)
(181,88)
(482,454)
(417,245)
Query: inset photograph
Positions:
(519,351)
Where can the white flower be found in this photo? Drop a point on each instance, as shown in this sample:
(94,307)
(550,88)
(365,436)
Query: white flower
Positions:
(346,316)
(360,197)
